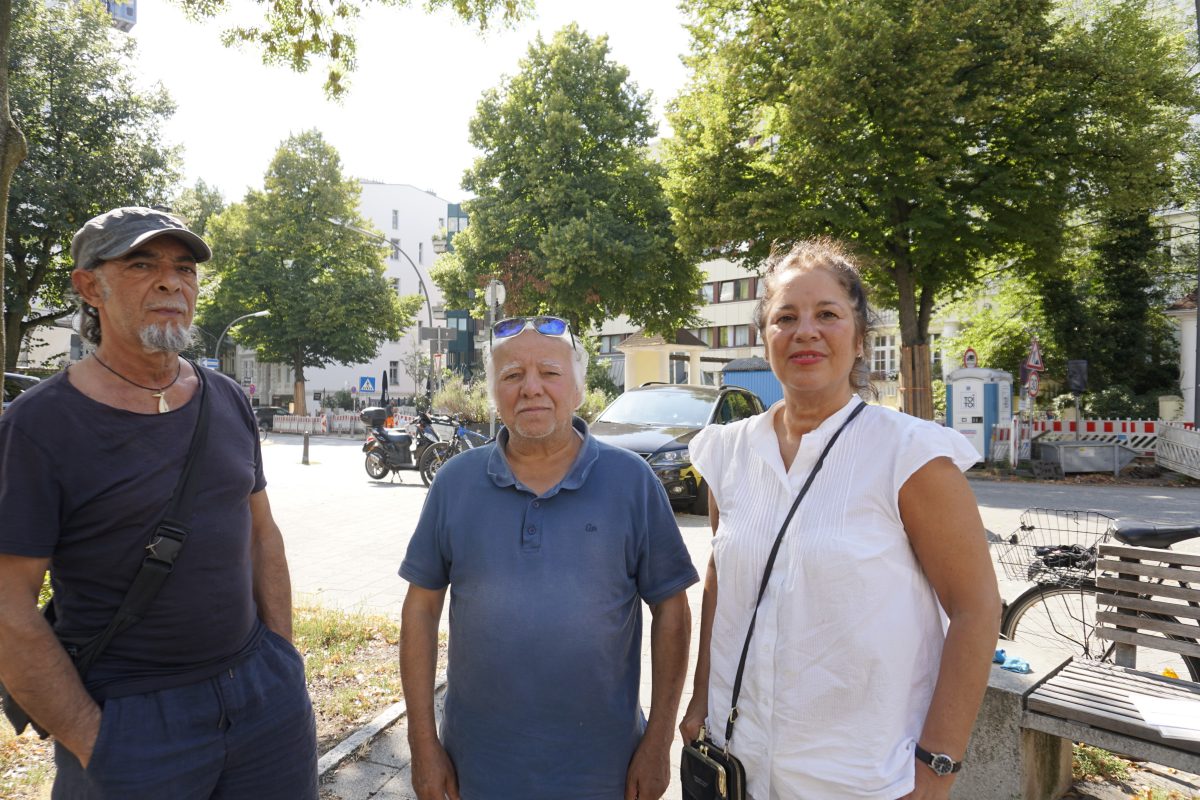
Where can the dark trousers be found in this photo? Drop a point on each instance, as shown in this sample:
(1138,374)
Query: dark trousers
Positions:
(245,734)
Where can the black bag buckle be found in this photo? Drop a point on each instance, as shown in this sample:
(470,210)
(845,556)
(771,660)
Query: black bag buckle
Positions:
(166,544)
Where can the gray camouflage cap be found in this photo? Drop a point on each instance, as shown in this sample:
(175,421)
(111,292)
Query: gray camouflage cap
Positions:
(122,230)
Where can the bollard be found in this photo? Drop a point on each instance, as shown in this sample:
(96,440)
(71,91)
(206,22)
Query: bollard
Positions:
(304,459)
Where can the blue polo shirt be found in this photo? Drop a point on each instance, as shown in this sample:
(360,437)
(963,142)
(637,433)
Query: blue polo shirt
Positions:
(545,616)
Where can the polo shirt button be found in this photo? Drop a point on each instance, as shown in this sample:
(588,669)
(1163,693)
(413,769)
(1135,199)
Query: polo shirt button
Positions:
(531,529)
(536,504)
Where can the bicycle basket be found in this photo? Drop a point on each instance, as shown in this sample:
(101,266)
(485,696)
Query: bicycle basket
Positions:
(1053,546)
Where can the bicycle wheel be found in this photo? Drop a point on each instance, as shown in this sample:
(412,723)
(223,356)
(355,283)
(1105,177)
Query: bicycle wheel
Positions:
(1062,620)
(433,458)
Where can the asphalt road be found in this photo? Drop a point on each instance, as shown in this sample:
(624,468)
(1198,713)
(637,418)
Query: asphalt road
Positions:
(346,534)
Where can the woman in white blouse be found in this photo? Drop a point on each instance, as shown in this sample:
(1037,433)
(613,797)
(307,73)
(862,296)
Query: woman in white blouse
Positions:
(856,683)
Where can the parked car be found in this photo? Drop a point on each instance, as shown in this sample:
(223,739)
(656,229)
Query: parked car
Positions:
(15,383)
(266,415)
(657,421)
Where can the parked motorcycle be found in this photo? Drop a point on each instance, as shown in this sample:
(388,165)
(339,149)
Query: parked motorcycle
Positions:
(390,450)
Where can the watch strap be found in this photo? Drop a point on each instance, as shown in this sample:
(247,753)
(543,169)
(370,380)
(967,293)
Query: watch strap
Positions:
(940,759)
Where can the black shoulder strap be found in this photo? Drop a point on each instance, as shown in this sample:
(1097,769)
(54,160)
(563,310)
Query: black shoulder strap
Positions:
(164,547)
(762,588)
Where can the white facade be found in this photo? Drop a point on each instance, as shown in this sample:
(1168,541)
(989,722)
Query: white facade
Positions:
(411,219)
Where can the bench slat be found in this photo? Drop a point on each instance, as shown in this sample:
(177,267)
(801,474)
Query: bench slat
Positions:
(1134,620)
(1150,554)
(1151,606)
(1153,642)
(1151,571)
(1144,587)
(1098,695)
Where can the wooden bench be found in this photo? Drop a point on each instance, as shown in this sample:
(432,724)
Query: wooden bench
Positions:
(1022,740)
(1088,701)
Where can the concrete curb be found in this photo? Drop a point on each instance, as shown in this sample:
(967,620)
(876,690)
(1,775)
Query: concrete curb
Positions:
(367,733)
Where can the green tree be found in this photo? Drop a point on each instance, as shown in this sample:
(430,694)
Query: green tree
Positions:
(197,204)
(569,211)
(295,34)
(323,284)
(939,137)
(94,144)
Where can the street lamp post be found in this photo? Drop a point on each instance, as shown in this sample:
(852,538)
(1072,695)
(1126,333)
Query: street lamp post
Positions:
(395,247)
(221,338)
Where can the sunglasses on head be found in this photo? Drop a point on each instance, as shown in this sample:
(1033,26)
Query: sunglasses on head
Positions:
(547,326)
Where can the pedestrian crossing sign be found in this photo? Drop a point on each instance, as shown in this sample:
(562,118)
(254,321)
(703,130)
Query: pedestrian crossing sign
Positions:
(366,385)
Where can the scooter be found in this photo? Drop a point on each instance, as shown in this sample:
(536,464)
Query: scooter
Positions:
(390,450)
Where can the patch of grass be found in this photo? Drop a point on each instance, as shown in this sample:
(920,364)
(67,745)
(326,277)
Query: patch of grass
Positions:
(1092,763)
(26,764)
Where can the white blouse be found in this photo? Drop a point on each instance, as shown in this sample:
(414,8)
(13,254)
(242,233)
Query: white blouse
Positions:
(848,641)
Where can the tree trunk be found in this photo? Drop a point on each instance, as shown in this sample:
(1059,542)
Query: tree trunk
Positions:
(12,152)
(916,393)
(12,340)
(298,400)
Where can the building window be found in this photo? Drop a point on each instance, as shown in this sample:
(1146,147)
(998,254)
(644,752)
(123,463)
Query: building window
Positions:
(883,354)
(395,249)
(395,219)
(708,293)
(609,342)
(760,287)
(394,372)
(723,336)
(935,355)
(740,335)
(741,289)
(420,252)
(441,223)
(726,293)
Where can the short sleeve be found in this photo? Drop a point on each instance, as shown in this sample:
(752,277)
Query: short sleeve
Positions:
(665,567)
(707,450)
(30,498)
(427,561)
(925,442)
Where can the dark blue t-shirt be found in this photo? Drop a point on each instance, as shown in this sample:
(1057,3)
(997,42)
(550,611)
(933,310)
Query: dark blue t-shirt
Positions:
(85,484)
(546,617)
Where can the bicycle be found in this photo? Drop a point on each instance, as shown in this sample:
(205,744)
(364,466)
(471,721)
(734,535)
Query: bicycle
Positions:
(1056,550)
(438,453)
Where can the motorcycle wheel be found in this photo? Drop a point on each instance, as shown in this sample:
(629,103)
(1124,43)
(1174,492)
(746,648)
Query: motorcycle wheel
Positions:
(376,465)
(432,459)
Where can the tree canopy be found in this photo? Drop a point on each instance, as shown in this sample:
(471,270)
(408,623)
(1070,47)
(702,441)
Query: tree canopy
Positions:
(296,34)
(278,250)
(938,137)
(569,211)
(94,144)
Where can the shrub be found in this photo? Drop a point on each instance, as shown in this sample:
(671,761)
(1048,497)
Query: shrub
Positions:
(594,402)
(468,402)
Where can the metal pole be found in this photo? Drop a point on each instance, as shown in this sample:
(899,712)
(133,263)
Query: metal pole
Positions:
(304,457)
(379,238)
(1196,338)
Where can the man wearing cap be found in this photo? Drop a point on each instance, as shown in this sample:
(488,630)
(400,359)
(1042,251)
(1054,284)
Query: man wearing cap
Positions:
(549,542)
(204,697)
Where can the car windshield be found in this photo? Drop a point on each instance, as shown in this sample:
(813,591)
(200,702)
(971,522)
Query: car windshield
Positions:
(678,409)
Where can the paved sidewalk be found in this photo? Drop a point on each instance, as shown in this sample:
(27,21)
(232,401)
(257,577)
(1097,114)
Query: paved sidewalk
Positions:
(382,769)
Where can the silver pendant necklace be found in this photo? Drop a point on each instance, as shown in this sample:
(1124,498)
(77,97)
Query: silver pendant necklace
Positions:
(159,393)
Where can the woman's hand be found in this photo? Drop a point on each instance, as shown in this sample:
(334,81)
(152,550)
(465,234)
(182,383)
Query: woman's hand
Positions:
(693,718)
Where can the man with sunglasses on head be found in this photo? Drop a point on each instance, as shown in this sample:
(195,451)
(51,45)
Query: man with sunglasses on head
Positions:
(548,541)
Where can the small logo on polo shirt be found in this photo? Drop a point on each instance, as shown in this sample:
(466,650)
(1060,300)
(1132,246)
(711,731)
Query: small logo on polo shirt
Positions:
(590,528)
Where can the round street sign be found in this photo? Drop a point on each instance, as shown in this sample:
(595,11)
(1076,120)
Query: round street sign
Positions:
(970,360)
(1031,387)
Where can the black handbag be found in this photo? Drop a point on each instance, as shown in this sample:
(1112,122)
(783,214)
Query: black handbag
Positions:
(706,770)
(165,545)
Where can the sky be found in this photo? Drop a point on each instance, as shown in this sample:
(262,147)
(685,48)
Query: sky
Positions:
(417,85)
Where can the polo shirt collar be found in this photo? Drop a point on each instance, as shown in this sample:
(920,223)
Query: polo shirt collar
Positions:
(502,475)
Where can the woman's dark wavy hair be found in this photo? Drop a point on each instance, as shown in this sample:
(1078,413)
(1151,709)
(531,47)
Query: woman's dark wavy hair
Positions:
(829,254)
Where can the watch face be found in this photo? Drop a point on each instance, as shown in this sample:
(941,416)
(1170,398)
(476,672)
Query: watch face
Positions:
(942,764)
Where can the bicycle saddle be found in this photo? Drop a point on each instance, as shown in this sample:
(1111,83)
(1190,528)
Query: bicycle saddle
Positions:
(1149,534)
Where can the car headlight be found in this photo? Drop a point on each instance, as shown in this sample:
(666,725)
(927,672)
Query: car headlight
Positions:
(671,458)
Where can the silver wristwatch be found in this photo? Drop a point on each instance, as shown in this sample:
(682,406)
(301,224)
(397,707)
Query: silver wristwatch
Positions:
(940,763)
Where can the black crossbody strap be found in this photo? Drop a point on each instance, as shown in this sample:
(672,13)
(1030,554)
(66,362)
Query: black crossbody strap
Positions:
(165,545)
(762,589)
